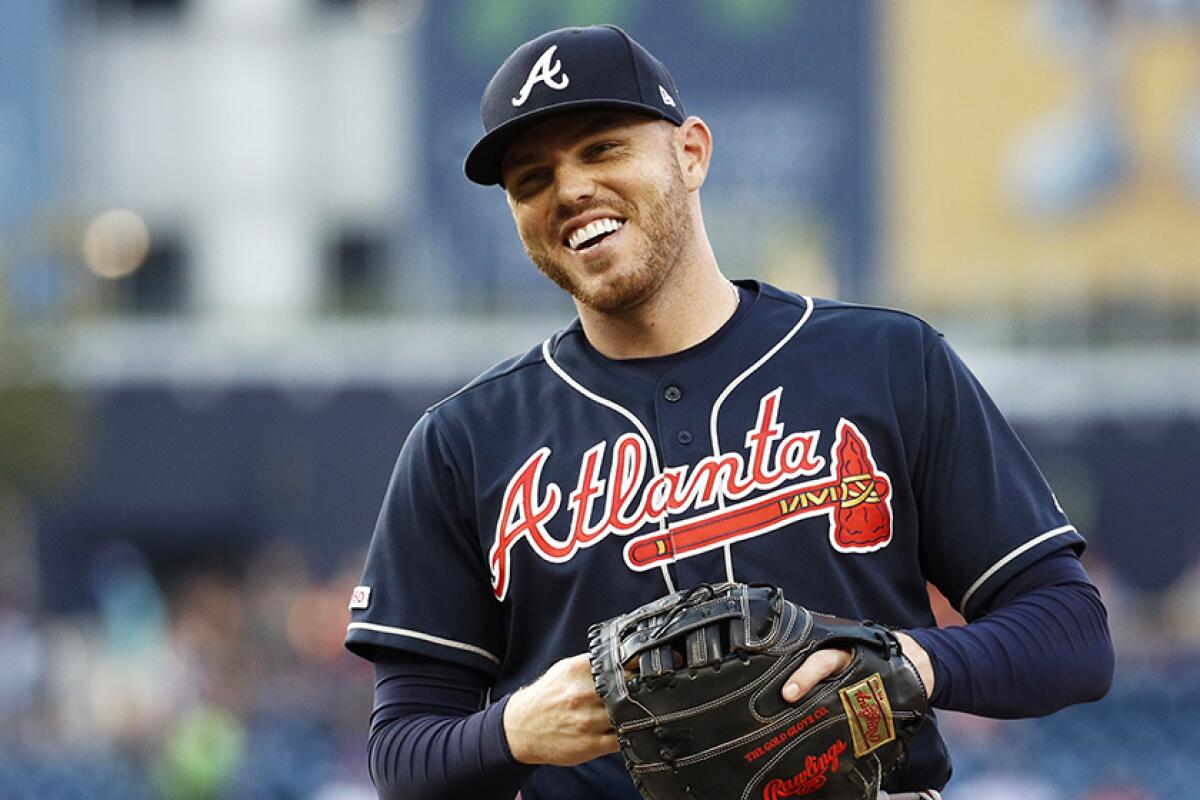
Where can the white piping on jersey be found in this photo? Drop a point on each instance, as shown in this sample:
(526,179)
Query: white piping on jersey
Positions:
(425,637)
(1034,542)
(728,390)
(627,414)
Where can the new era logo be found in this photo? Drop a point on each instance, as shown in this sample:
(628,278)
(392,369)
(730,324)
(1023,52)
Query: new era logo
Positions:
(666,97)
(360,597)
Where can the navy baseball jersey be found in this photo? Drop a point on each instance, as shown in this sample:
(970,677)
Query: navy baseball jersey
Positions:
(842,452)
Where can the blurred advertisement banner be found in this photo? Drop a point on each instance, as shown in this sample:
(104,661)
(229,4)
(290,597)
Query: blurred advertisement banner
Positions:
(1043,155)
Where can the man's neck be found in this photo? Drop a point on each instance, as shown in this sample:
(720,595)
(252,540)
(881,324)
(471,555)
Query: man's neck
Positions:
(686,310)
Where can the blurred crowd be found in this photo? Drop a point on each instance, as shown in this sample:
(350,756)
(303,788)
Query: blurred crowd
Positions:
(214,683)
(231,683)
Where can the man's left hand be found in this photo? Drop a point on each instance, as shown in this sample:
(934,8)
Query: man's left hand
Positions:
(823,663)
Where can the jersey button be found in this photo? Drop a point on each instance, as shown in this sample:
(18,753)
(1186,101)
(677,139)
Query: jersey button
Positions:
(672,394)
(684,437)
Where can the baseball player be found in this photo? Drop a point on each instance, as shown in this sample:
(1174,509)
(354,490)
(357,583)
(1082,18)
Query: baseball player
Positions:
(687,429)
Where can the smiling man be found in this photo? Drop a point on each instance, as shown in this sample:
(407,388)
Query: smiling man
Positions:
(687,429)
(602,205)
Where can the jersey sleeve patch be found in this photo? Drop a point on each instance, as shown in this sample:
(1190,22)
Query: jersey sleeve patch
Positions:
(360,597)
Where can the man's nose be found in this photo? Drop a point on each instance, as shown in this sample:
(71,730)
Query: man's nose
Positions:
(573,184)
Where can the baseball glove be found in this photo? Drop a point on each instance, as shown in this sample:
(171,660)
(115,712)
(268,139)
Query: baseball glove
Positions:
(692,683)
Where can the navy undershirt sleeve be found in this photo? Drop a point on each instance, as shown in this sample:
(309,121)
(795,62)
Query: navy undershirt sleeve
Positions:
(1043,645)
(433,739)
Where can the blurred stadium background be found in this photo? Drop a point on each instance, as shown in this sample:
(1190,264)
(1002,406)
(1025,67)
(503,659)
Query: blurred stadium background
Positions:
(238,258)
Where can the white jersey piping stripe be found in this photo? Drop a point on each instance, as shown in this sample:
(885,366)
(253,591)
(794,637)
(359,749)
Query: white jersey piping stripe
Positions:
(1032,543)
(604,401)
(728,390)
(627,414)
(425,637)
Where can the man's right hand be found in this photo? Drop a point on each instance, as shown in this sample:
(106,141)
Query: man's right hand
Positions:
(559,719)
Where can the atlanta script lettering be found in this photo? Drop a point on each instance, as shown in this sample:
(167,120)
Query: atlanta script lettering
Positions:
(856,497)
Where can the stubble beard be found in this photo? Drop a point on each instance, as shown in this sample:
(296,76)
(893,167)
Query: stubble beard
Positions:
(664,225)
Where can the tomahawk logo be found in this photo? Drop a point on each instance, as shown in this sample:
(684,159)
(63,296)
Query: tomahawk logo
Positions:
(855,495)
(543,72)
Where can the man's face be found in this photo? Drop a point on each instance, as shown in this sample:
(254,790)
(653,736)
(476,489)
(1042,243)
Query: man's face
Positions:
(600,204)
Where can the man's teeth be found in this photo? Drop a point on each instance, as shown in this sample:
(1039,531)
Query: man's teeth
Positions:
(592,230)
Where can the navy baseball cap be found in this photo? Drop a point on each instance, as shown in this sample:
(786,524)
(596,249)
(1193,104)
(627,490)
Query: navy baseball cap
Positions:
(569,69)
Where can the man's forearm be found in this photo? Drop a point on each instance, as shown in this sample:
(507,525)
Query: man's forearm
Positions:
(431,741)
(1046,648)
(425,756)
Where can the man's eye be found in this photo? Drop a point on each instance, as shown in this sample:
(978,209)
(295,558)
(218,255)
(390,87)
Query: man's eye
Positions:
(531,178)
(601,147)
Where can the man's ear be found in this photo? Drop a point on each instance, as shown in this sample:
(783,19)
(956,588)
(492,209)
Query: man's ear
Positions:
(693,148)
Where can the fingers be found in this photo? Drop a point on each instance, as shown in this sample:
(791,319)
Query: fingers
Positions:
(590,717)
(568,686)
(596,745)
(608,744)
(579,664)
(816,668)
(559,718)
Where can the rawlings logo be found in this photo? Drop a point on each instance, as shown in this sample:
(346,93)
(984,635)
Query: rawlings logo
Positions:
(869,713)
(815,774)
(856,496)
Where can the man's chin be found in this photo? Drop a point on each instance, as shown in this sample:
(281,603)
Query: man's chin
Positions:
(619,295)
(603,291)
(613,301)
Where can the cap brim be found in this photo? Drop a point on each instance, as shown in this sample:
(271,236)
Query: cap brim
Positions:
(483,162)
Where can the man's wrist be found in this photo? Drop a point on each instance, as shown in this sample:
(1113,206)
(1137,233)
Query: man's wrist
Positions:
(500,709)
(511,729)
(920,659)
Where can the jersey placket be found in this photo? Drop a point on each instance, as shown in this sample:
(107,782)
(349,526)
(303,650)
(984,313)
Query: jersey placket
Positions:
(681,411)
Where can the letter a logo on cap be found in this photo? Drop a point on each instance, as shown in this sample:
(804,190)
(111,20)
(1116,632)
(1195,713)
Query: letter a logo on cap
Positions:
(544,72)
